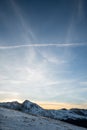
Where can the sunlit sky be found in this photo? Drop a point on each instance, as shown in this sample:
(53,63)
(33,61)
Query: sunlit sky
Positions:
(43,52)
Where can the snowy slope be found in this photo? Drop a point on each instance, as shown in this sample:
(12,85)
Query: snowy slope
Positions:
(15,120)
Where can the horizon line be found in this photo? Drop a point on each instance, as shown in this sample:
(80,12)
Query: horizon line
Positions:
(52,105)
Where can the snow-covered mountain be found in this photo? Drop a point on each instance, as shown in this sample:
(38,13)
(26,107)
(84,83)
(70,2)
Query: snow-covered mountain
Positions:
(32,108)
(11,105)
(74,116)
(15,120)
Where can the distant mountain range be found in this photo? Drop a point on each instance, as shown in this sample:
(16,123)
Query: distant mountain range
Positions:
(74,116)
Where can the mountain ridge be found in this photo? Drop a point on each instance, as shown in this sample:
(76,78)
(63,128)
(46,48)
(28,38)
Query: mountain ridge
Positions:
(16,120)
(74,116)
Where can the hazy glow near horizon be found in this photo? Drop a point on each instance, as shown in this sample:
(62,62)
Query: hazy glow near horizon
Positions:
(43,52)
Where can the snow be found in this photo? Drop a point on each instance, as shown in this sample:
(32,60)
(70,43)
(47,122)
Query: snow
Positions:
(74,116)
(15,120)
(67,114)
(30,107)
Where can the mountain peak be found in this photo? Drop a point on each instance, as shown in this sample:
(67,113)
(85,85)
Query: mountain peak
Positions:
(27,101)
(30,105)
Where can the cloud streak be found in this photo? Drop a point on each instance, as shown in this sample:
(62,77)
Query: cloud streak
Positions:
(44,45)
(28,33)
(80,9)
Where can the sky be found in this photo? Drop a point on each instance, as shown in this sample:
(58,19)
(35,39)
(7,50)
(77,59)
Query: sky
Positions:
(43,52)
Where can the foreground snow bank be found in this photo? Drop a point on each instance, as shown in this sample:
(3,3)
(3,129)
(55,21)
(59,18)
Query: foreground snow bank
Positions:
(15,120)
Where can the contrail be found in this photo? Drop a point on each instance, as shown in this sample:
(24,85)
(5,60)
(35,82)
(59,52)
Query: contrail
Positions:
(44,45)
(27,29)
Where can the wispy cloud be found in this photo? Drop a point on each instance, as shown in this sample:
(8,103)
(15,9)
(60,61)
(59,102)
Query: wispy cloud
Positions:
(83,83)
(44,45)
(27,31)
(80,9)
(76,12)
(30,76)
(9,96)
(10,93)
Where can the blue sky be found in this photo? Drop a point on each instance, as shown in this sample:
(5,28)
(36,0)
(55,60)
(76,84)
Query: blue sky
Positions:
(43,49)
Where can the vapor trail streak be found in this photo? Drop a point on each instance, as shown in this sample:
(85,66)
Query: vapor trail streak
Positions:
(44,45)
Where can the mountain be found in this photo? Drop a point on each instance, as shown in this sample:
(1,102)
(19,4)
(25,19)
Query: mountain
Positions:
(11,105)
(32,108)
(16,120)
(73,116)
